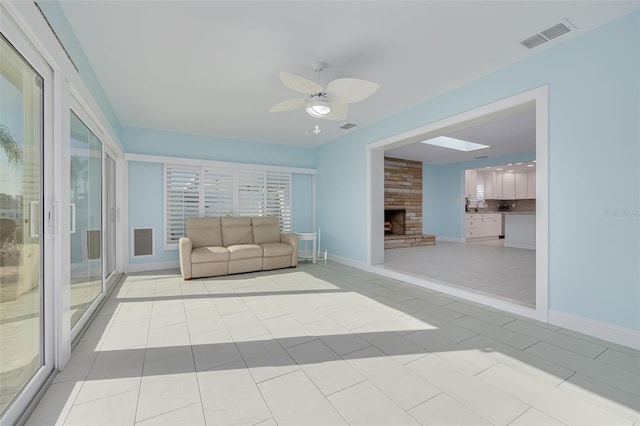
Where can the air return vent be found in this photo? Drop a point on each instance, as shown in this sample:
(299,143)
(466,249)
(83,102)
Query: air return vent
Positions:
(348,126)
(142,242)
(548,34)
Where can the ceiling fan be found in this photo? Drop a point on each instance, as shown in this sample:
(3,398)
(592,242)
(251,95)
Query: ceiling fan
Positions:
(330,103)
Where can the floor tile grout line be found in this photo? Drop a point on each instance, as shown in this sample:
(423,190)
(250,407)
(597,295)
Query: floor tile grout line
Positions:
(193,357)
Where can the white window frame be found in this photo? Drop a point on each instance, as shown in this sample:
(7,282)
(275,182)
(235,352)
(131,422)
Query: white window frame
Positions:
(225,165)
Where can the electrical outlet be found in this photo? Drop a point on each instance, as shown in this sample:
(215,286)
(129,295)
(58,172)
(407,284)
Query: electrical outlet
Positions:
(513,206)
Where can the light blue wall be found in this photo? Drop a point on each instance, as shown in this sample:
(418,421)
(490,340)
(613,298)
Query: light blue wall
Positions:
(594,205)
(58,20)
(302,203)
(145,179)
(172,144)
(443,193)
(145,208)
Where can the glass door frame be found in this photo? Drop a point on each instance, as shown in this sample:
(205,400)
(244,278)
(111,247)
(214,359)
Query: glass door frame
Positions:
(49,245)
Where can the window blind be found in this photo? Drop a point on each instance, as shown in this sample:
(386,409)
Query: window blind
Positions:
(182,199)
(197,191)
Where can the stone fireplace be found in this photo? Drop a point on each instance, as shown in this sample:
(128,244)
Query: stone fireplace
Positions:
(403,204)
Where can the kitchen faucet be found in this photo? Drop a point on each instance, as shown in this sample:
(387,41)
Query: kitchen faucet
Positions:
(483,204)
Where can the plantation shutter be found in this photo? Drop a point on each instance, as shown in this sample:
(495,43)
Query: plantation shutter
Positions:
(182,199)
(279,198)
(251,193)
(218,192)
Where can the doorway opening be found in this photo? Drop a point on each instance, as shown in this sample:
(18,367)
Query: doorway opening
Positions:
(451,230)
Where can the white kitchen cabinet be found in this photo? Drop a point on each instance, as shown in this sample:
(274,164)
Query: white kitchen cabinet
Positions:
(508,186)
(488,185)
(470,184)
(497,185)
(482,225)
(521,185)
(531,185)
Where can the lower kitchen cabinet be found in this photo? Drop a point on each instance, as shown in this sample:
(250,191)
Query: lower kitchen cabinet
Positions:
(482,225)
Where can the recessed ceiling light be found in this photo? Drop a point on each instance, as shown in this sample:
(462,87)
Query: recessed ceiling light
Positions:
(457,144)
(534,161)
(488,167)
(510,164)
(498,169)
(510,171)
(518,164)
(530,165)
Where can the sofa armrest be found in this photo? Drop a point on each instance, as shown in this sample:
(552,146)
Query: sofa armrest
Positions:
(293,240)
(185,246)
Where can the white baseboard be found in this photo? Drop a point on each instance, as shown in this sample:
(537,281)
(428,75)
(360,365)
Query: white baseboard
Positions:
(450,240)
(611,333)
(348,262)
(158,266)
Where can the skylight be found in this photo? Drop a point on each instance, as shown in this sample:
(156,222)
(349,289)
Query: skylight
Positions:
(452,143)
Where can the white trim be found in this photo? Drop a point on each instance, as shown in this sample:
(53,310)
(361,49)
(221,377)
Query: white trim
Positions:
(349,262)
(158,266)
(540,96)
(221,164)
(611,333)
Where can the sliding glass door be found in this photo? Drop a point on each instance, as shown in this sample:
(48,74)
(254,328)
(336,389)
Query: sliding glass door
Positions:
(86,218)
(110,217)
(21,233)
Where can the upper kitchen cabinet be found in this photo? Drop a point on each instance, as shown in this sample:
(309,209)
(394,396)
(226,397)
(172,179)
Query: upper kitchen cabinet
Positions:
(531,185)
(521,185)
(470,184)
(508,182)
(508,186)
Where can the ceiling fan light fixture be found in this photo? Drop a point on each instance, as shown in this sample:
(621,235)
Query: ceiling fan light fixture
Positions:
(318,109)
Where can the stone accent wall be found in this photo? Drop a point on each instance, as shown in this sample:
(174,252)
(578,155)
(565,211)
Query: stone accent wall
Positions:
(403,190)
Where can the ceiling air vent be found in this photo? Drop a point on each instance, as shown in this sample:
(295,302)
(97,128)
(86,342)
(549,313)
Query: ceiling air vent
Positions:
(548,34)
(348,126)
(555,31)
(533,41)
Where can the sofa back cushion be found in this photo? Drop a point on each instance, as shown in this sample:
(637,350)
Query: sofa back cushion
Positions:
(265,230)
(236,230)
(204,231)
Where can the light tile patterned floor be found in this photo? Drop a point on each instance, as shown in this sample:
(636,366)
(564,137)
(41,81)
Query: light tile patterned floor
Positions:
(327,344)
(486,267)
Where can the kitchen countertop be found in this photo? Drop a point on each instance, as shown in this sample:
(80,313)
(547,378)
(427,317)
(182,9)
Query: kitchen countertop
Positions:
(498,212)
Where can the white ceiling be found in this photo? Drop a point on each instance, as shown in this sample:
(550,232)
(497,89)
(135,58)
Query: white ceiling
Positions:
(211,67)
(508,132)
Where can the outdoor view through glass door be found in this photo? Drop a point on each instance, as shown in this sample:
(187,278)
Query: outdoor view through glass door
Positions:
(86,218)
(21,236)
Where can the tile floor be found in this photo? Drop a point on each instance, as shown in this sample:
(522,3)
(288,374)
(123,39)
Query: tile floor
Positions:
(328,344)
(486,267)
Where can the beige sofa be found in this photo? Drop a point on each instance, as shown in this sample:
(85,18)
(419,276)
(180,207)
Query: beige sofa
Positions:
(217,246)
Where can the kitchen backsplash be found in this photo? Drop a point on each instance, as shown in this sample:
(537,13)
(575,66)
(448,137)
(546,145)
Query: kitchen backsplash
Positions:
(507,205)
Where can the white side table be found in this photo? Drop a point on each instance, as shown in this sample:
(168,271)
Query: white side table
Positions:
(306,237)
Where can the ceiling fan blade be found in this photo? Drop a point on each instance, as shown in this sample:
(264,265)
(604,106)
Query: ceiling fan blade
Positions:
(350,90)
(338,112)
(287,105)
(300,84)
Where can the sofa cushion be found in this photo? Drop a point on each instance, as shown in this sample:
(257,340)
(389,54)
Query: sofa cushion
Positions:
(277,249)
(265,230)
(244,251)
(236,230)
(209,254)
(204,231)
